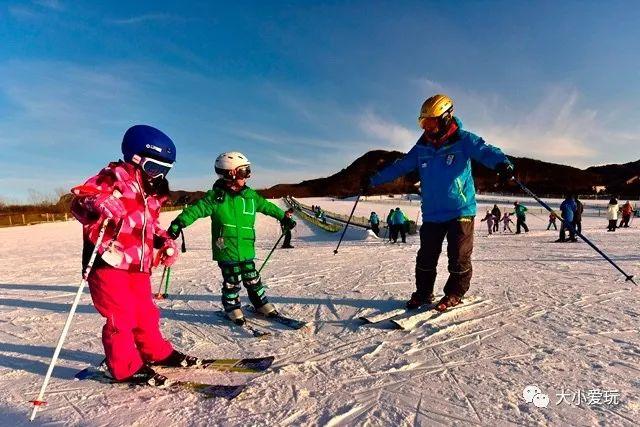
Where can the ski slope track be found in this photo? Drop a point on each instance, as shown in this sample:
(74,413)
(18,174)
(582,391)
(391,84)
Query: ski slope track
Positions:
(557,316)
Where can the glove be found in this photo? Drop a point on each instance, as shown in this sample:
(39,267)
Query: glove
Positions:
(174,230)
(505,172)
(167,254)
(110,207)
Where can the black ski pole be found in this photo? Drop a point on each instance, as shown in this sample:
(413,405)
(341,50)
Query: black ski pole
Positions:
(570,226)
(335,251)
(269,256)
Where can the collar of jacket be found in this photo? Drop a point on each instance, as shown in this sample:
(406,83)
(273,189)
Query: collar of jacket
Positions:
(132,172)
(451,137)
(220,185)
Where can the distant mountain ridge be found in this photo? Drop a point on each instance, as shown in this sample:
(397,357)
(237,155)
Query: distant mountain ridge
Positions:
(622,180)
(544,178)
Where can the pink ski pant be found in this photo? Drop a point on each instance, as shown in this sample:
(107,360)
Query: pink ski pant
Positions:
(132,334)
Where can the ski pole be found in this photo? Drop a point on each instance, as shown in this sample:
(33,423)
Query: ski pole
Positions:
(335,251)
(166,284)
(570,226)
(159,294)
(38,401)
(269,256)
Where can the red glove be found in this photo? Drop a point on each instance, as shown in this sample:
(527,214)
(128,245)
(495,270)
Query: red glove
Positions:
(167,254)
(110,207)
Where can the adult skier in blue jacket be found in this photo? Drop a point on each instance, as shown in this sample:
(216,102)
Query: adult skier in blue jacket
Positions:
(568,209)
(442,156)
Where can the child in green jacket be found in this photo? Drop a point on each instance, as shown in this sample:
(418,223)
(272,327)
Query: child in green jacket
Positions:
(232,207)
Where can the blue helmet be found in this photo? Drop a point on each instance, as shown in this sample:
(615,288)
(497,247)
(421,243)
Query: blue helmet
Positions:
(148,147)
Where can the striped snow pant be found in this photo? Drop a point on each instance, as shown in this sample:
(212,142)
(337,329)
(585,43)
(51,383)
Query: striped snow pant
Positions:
(459,234)
(236,273)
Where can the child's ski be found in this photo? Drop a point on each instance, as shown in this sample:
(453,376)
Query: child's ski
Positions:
(280,318)
(206,390)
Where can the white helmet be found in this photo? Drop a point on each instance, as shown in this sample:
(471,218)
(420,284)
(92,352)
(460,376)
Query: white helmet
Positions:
(232,165)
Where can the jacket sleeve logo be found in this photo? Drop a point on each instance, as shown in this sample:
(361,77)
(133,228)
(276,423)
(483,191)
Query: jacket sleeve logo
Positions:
(450,158)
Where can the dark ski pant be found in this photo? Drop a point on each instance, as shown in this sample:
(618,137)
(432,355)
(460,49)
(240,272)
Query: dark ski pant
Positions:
(578,226)
(612,225)
(235,273)
(521,222)
(555,227)
(625,221)
(398,229)
(287,239)
(376,229)
(563,232)
(459,234)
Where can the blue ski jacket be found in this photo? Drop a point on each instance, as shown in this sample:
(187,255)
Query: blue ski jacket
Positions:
(568,209)
(373,219)
(447,187)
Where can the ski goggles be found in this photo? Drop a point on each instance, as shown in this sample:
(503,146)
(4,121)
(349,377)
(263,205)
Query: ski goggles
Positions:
(241,172)
(429,123)
(155,168)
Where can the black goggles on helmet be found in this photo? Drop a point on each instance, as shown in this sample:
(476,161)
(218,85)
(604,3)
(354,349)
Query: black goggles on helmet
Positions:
(241,172)
(154,168)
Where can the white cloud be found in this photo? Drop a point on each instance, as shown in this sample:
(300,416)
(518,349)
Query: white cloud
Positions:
(24,13)
(557,127)
(149,17)
(50,4)
(395,135)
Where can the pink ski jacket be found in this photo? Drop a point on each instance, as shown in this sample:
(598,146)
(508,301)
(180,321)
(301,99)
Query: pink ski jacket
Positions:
(128,245)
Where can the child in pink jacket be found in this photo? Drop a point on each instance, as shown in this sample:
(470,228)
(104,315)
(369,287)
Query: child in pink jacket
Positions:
(130,193)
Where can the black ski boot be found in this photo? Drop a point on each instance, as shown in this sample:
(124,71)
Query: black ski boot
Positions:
(179,360)
(448,301)
(147,376)
(418,301)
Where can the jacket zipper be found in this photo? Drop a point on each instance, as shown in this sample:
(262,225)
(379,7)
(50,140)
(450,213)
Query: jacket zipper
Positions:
(144,220)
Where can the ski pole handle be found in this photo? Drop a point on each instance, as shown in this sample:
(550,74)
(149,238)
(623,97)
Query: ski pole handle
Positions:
(38,401)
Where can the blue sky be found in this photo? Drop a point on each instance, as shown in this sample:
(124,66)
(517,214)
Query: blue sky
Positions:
(304,88)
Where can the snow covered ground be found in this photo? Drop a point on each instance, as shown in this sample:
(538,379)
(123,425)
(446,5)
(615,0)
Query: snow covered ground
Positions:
(558,317)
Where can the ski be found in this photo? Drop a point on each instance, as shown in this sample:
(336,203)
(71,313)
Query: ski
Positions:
(247,327)
(206,390)
(280,318)
(410,322)
(383,315)
(247,365)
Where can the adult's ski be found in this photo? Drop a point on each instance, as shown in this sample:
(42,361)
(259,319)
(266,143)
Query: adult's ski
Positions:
(383,315)
(206,390)
(411,321)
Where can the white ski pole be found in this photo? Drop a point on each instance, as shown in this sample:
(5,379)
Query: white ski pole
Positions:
(38,401)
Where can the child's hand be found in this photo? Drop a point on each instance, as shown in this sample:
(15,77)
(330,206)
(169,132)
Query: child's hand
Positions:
(110,207)
(167,254)
(174,230)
